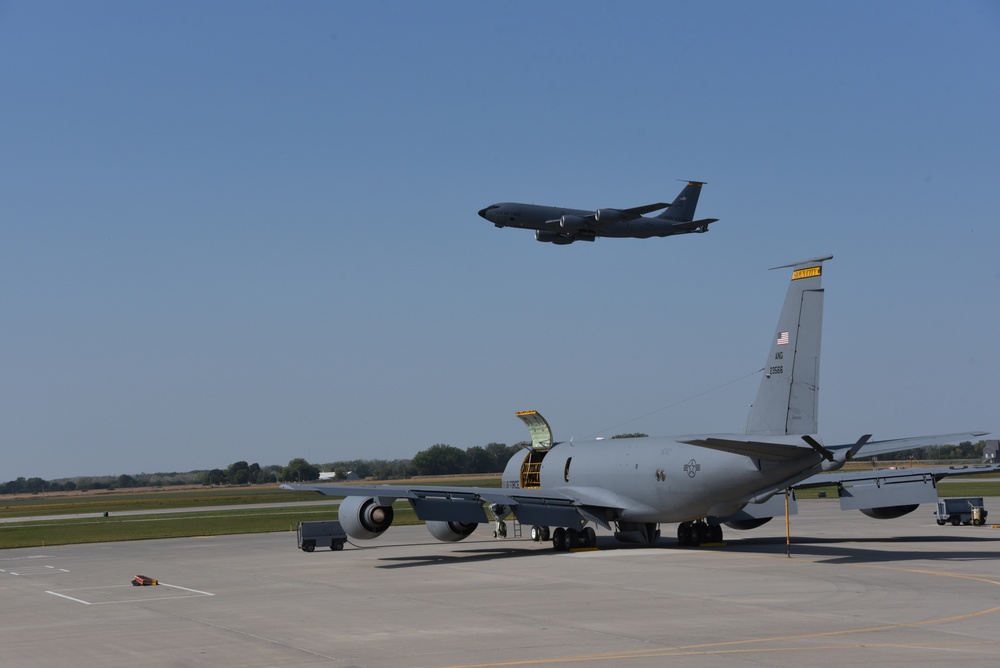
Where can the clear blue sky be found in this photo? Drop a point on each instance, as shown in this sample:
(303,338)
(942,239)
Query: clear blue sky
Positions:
(247,230)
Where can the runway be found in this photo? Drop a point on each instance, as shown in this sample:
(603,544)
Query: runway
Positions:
(855,592)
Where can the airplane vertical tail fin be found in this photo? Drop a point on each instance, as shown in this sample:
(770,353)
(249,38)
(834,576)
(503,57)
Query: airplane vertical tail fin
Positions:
(683,206)
(788,396)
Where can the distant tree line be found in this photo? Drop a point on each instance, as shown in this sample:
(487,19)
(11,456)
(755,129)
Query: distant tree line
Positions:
(439,459)
(36,485)
(930,453)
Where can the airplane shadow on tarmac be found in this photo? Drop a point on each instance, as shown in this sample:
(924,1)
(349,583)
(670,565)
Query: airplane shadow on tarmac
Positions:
(893,549)
(835,550)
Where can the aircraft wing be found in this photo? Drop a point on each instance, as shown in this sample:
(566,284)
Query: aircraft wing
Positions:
(563,506)
(601,216)
(873,448)
(894,475)
(637,211)
(775,452)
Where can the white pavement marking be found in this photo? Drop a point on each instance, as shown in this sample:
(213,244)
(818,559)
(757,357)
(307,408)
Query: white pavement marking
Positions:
(196,593)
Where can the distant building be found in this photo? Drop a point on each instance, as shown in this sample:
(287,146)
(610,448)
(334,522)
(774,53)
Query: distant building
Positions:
(991,452)
(332,475)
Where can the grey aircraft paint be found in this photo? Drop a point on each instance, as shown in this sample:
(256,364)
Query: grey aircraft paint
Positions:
(699,481)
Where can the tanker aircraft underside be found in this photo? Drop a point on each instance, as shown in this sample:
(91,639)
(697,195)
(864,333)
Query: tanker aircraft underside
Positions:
(562,226)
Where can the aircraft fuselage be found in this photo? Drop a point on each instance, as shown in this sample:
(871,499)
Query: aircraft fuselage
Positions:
(655,479)
(550,219)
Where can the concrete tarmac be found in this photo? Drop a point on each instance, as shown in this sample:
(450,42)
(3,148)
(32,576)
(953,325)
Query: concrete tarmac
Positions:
(855,592)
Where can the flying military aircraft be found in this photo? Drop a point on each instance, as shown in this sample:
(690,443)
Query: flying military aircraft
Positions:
(702,481)
(561,226)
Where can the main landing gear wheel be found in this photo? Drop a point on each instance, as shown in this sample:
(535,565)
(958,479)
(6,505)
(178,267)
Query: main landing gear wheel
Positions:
(692,534)
(564,540)
(572,539)
(539,533)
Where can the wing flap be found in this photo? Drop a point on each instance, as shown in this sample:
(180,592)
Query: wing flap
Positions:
(637,211)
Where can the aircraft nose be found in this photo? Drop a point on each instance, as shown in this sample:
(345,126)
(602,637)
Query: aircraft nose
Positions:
(483,212)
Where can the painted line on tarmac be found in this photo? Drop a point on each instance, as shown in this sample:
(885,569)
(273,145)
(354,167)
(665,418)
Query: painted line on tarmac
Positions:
(195,593)
(730,647)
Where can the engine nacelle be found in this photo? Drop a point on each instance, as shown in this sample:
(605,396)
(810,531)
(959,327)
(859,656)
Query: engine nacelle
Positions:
(553,238)
(637,533)
(363,519)
(889,512)
(451,532)
(608,215)
(746,525)
(572,223)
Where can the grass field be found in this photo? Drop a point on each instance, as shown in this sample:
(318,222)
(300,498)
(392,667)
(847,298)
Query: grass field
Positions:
(234,518)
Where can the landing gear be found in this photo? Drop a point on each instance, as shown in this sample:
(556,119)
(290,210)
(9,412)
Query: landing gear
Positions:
(499,512)
(564,540)
(692,534)
(539,534)
(559,540)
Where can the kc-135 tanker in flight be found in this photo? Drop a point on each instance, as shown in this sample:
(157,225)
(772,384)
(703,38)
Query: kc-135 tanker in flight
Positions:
(563,226)
(701,482)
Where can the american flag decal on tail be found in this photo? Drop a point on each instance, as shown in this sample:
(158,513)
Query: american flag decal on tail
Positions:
(783,339)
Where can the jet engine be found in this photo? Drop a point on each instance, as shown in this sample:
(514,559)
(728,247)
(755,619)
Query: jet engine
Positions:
(553,238)
(571,223)
(746,525)
(451,532)
(889,512)
(362,518)
(608,215)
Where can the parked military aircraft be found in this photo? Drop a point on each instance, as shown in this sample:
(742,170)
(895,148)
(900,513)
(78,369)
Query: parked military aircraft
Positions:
(563,226)
(699,481)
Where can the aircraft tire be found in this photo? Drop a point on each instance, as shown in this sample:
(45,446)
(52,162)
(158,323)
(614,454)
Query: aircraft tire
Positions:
(559,539)
(536,533)
(545,534)
(572,538)
(589,537)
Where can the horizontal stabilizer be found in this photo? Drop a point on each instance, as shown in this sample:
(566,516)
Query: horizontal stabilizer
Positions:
(694,224)
(771,451)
